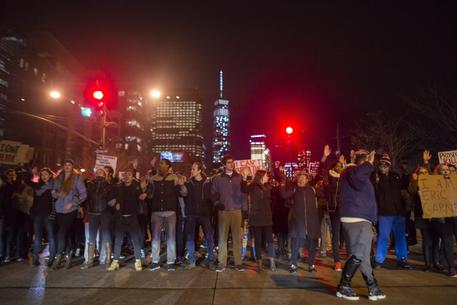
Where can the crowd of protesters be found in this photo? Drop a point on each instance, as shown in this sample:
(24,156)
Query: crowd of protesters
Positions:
(202,219)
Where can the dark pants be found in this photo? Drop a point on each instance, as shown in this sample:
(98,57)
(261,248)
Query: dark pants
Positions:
(19,235)
(446,233)
(2,237)
(64,225)
(263,234)
(180,235)
(100,222)
(282,242)
(143,221)
(191,225)
(127,224)
(43,223)
(336,229)
(310,243)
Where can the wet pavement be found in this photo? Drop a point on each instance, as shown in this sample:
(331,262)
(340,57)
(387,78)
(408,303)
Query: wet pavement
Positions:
(22,284)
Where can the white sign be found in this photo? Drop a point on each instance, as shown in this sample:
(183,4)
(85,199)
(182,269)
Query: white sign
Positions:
(106,160)
(449,157)
(251,165)
(12,152)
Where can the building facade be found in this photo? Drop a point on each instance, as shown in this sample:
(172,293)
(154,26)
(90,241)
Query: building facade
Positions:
(259,150)
(221,125)
(176,125)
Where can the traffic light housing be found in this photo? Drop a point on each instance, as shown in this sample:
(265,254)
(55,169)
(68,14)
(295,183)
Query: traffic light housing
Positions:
(86,112)
(99,93)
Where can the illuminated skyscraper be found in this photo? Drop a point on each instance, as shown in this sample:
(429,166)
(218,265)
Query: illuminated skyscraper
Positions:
(259,150)
(177,125)
(221,124)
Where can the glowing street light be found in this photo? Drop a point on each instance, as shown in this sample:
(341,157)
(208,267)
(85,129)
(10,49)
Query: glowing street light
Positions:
(55,94)
(289,130)
(154,93)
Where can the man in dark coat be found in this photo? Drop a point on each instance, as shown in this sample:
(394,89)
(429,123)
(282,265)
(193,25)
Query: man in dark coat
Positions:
(358,215)
(304,222)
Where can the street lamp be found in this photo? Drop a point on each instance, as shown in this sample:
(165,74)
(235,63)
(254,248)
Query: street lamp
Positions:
(154,93)
(55,94)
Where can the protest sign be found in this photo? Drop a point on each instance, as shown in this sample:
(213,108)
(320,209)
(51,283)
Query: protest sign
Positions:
(12,152)
(106,160)
(449,157)
(251,165)
(438,196)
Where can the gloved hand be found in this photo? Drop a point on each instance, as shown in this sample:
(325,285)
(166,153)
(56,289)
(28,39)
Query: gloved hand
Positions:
(244,215)
(220,207)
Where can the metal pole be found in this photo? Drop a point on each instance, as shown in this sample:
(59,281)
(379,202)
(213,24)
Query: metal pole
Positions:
(104,128)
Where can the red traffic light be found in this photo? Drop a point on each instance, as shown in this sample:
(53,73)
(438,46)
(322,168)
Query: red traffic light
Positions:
(289,130)
(98,95)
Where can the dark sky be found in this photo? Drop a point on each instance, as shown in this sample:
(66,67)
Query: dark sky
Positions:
(306,63)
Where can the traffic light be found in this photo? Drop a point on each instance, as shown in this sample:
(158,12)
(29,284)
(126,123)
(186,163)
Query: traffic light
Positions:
(86,112)
(289,130)
(99,92)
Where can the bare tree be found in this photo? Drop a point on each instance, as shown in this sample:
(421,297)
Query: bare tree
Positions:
(386,134)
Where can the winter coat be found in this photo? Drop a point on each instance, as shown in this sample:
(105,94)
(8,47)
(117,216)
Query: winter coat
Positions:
(198,200)
(43,203)
(358,198)
(389,197)
(280,212)
(100,192)
(226,190)
(75,196)
(304,218)
(260,209)
(165,193)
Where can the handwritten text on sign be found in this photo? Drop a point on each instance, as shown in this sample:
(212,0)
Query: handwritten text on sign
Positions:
(438,196)
(449,157)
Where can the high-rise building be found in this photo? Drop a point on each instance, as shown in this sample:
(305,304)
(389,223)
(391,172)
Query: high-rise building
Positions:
(221,124)
(259,150)
(177,125)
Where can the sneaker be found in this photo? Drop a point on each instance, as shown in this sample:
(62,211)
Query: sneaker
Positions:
(375,294)
(171,267)
(190,266)
(338,267)
(114,265)
(179,261)
(347,293)
(142,254)
(403,264)
(153,266)
(212,266)
(293,269)
(312,268)
(220,269)
(138,266)
(239,268)
(452,272)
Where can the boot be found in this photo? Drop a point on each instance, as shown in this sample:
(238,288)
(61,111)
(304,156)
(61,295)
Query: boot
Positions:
(259,265)
(344,288)
(114,265)
(138,266)
(272,264)
(56,263)
(374,292)
(90,258)
(107,254)
(68,258)
(35,260)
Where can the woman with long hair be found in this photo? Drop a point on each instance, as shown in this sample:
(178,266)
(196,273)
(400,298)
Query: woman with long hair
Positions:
(260,217)
(41,212)
(69,192)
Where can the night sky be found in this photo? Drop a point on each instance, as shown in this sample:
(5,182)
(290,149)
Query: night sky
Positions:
(309,64)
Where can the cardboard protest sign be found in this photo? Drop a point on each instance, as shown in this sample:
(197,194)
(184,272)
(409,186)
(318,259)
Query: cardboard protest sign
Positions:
(106,160)
(12,152)
(438,196)
(449,157)
(251,165)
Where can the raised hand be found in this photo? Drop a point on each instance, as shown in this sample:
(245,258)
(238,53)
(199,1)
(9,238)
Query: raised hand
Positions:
(327,151)
(426,155)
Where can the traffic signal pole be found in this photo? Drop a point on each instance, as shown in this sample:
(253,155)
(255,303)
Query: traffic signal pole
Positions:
(104,126)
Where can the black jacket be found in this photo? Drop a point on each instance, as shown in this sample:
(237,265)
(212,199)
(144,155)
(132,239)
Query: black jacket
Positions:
(388,195)
(128,198)
(198,199)
(165,193)
(260,209)
(42,200)
(304,215)
(99,192)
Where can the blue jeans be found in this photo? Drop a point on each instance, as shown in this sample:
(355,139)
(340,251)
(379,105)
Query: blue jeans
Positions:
(297,243)
(191,223)
(157,220)
(127,224)
(39,223)
(387,224)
